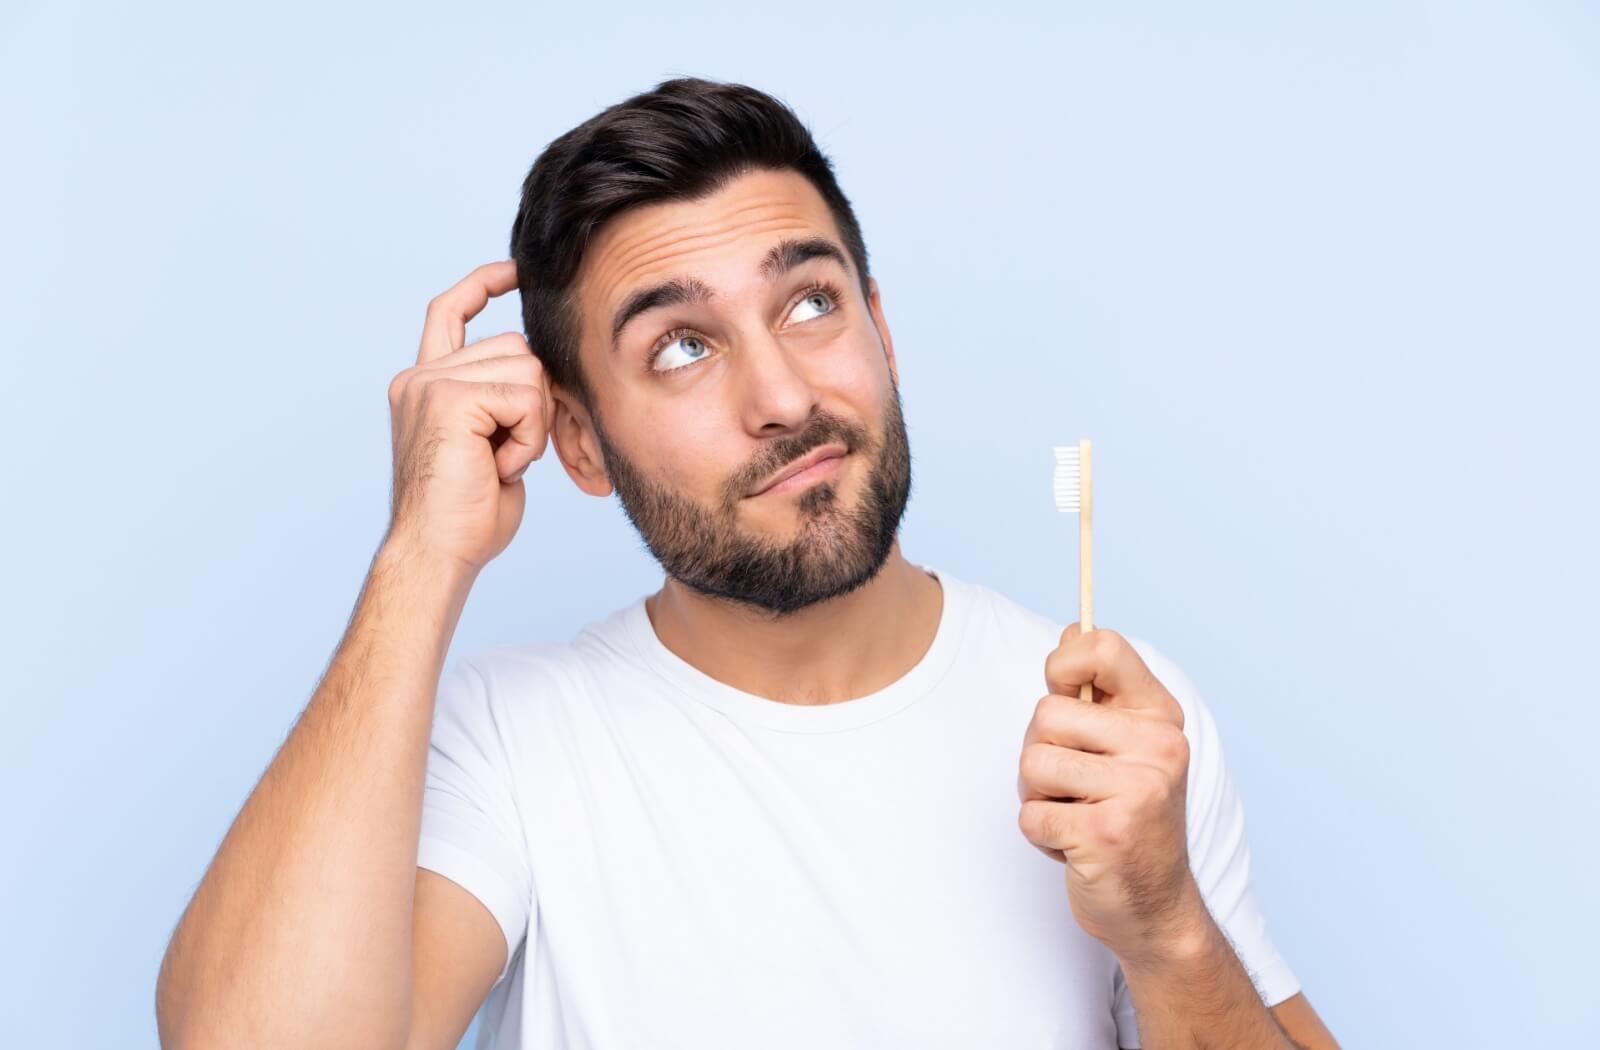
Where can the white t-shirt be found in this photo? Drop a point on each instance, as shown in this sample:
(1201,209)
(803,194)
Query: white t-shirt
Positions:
(677,863)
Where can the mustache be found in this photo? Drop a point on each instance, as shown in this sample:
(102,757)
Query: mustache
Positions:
(824,428)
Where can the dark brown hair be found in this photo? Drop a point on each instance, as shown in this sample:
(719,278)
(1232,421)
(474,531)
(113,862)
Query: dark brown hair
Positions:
(680,141)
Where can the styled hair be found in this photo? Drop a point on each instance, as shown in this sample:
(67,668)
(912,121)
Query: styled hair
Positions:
(681,141)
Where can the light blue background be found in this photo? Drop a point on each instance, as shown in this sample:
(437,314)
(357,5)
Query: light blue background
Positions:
(1320,282)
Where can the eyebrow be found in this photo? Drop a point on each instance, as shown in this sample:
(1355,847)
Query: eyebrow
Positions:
(675,291)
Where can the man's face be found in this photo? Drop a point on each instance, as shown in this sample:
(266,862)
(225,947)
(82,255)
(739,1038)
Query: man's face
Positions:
(756,360)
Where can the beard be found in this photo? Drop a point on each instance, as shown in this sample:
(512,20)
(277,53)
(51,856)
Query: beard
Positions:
(837,549)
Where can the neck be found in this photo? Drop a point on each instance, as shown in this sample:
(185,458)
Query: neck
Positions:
(836,650)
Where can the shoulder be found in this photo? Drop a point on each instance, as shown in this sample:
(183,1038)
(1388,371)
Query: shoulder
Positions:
(513,678)
(1013,621)
(509,665)
(1004,621)
(1020,627)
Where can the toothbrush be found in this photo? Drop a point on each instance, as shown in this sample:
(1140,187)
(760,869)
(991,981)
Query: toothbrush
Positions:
(1073,497)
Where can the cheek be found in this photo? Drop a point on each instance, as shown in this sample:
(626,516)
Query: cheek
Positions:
(681,449)
(853,367)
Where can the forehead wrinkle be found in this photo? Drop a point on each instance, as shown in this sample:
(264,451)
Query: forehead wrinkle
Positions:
(668,244)
(698,290)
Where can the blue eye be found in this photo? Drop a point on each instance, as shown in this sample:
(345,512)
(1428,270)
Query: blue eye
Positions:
(815,295)
(824,293)
(683,338)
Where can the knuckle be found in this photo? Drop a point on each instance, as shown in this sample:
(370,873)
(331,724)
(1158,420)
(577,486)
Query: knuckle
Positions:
(1157,787)
(1028,820)
(1104,642)
(1049,713)
(1038,821)
(1036,763)
(397,385)
(1052,664)
(1174,746)
(437,394)
(440,387)
(1113,826)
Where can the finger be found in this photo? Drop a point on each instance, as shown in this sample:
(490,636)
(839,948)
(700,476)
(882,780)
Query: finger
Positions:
(1101,657)
(505,368)
(1053,826)
(518,407)
(506,344)
(517,368)
(1069,722)
(515,364)
(528,435)
(1048,771)
(444,329)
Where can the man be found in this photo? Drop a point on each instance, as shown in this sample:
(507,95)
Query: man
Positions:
(776,802)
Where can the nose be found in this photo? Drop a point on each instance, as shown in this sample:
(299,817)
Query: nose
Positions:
(777,394)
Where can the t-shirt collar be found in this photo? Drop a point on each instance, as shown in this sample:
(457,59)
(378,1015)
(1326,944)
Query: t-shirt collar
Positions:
(809,718)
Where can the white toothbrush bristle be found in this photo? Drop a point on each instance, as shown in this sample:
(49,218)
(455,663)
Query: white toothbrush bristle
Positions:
(1068,479)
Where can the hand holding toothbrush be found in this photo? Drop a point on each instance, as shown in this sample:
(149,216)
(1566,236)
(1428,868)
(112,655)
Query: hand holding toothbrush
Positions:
(1104,787)
(1104,784)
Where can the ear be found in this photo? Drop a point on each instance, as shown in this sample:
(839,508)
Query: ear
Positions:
(875,304)
(573,435)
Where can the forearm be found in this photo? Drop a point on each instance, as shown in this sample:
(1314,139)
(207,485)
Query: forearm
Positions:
(300,932)
(1198,996)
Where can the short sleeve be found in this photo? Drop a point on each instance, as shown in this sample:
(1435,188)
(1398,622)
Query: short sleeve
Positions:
(470,832)
(1219,852)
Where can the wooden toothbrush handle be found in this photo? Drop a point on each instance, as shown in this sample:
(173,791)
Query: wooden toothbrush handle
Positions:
(1085,582)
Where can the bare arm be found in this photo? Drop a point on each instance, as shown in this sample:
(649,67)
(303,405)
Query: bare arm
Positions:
(301,932)
(1201,996)
(1303,1024)
(457,950)
(313,926)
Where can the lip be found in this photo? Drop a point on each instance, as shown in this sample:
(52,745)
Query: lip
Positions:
(814,465)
